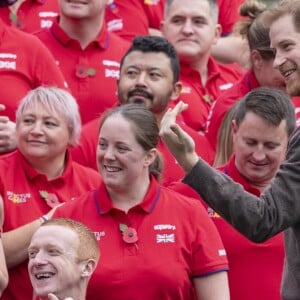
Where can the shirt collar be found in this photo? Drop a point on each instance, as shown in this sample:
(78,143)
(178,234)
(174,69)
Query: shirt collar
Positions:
(104,204)
(212,69)
(32,174)
(102,41)
(231,170)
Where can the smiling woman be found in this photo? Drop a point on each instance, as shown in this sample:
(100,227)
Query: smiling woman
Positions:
(39,175)
(137,218)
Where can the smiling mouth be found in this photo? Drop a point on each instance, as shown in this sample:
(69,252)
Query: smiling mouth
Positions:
(44,275)
(112,169)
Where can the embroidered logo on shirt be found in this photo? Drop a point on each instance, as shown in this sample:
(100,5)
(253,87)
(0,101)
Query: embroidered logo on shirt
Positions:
(7,61)
(112,73)
(17,198)
(99,234)
(111,63)
(225,86)
(222,252)
(186,90)
(165,238)
(115,25)
(164,226)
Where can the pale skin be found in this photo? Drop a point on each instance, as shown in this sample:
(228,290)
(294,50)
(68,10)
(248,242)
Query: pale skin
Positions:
(7,133)
(82,21)
(178,141)
(54,249)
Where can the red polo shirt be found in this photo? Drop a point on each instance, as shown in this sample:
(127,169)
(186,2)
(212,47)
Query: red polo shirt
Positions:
(229,14)
(20,187)
(25,63)
(131,18)
(224,102)
(32,15)
(85,152)
(200,98)
(92,72)
(255,268)
(176,242)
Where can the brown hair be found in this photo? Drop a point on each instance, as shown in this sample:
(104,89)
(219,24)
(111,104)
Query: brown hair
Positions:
(145,129)
(282,8)
(254,29)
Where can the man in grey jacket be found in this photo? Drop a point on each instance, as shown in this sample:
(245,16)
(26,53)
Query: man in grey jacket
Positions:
(278,208)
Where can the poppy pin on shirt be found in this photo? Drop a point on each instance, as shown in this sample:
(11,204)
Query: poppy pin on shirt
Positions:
(50,198)
(129,234)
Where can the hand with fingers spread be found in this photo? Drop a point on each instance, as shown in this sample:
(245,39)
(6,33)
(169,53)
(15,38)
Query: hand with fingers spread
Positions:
(180,144)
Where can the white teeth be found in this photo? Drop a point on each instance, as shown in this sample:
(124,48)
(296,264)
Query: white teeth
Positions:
(288,73)
(44,275)
(113,169)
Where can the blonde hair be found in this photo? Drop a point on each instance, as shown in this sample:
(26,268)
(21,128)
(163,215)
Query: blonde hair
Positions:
(224,147)
(55,100)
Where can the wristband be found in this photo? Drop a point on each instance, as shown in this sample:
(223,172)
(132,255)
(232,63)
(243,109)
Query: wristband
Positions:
(44,218)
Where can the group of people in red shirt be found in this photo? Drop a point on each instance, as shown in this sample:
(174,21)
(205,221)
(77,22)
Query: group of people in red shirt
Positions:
(65,63)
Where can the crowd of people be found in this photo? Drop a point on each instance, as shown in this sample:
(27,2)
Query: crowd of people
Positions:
(151,149)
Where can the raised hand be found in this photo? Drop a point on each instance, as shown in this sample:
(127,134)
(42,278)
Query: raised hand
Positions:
(180,144)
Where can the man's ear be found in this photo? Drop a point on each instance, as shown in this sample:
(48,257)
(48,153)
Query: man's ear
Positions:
(218,32)
(88,268)
(176,90)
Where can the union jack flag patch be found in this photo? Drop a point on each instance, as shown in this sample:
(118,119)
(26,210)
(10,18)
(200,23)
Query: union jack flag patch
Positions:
(165,238)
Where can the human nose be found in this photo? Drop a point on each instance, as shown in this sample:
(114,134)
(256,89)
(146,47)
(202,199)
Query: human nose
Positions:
(259,153)
(40,258)
(279,59)
(37,128)
(109,154)
(141,79)
(187,27)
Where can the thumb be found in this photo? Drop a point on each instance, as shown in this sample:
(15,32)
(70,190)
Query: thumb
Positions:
(2,107)
(52,297)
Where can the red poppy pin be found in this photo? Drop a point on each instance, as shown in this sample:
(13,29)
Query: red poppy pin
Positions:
(129,234)
(83,71)
(50,198)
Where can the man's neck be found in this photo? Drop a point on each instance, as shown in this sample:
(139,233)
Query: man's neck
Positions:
(201,65)
(84,31)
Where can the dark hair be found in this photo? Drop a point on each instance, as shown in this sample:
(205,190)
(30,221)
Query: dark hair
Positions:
(144,127)
(214,8)
(254,29)
(271,104)
(156,44)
